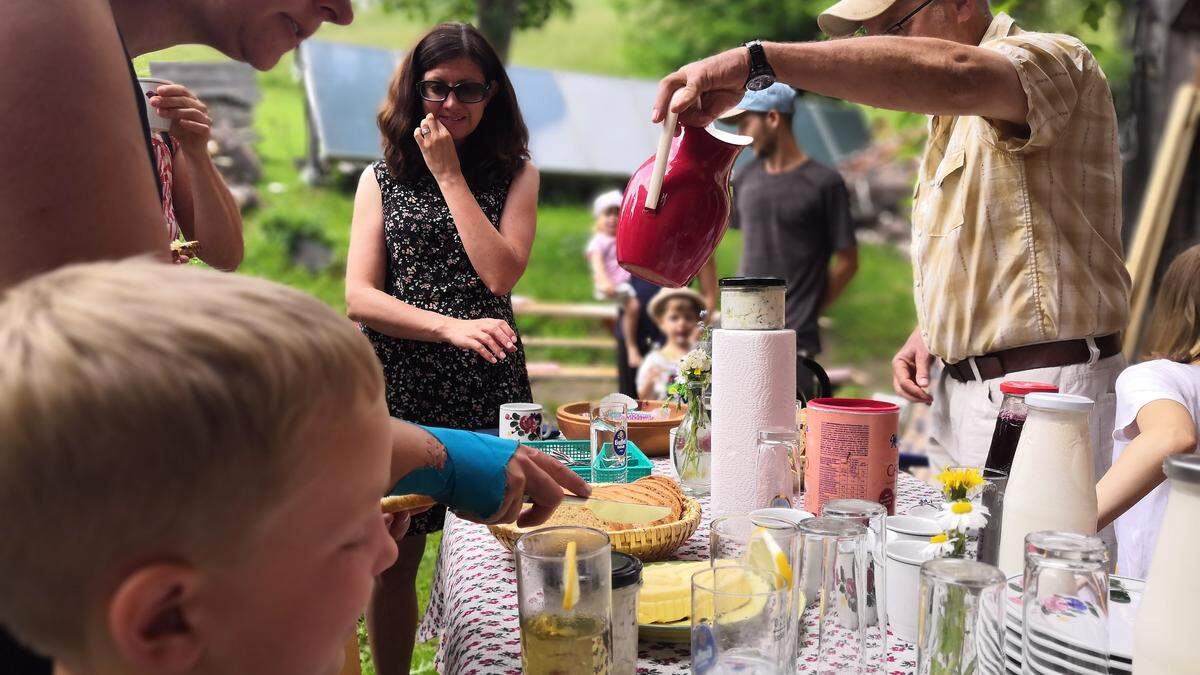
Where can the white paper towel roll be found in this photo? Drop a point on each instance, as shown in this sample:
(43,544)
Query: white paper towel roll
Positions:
(754,386)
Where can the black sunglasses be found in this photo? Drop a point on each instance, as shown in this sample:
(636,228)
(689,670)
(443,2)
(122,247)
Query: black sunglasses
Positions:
(466,92)
(899,25)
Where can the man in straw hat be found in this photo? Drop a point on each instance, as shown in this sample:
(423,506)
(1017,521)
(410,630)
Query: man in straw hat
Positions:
(1017,255)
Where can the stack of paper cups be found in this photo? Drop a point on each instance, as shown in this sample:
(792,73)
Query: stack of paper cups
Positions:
(754,387)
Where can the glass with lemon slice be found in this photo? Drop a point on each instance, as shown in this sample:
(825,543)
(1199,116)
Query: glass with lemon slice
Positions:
(766,543)
(564,589)
(738,613)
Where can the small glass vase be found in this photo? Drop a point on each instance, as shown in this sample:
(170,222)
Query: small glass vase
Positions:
(691,445)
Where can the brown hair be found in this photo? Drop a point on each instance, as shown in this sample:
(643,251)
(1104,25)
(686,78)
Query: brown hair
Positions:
(151,409)
(498,146)
(1175,324)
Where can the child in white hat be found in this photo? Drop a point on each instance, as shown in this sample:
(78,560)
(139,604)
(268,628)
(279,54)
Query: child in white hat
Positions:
(610,280)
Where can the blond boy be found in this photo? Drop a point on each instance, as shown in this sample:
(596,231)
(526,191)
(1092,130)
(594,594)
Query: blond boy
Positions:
(190,472)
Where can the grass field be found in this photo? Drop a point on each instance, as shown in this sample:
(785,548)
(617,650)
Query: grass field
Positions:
(869,323)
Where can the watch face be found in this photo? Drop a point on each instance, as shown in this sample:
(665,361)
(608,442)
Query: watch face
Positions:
(760,82)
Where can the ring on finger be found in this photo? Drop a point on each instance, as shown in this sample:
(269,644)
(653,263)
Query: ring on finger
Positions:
(424,130)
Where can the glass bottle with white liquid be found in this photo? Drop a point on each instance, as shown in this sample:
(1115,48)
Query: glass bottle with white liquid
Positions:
(1167,623)
(1052,484)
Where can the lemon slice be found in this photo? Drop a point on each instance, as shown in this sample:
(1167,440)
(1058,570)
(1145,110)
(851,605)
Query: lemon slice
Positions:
(763,552)
(570,578)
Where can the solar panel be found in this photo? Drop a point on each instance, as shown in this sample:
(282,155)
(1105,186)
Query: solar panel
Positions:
(578,124)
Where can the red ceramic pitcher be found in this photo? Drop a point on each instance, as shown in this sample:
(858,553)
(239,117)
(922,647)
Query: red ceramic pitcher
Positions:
(676,206)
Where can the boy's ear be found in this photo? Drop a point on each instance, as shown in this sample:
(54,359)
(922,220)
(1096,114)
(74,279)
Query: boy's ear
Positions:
(148,619)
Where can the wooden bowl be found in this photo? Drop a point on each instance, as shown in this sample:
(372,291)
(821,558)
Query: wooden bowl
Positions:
(651,436)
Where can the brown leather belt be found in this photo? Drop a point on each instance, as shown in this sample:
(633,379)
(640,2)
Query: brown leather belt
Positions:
(1030,357)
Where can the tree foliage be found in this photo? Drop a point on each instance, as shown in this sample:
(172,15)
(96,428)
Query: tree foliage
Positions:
(496,19)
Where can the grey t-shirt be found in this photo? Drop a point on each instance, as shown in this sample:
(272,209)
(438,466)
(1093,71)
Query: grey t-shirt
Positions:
(793,223)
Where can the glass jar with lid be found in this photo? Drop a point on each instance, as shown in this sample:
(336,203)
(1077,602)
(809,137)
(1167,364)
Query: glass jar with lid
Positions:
(752,303)
(1011,420)
(626,583)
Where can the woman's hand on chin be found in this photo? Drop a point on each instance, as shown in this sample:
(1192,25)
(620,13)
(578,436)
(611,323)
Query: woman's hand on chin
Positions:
(437,147)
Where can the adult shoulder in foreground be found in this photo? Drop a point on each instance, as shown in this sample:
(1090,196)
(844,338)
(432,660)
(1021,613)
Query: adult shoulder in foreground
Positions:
(75,179)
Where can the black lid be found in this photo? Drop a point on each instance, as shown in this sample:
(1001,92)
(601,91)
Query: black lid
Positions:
(751,282)
(626,570)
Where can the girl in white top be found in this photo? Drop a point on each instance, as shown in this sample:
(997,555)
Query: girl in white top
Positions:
(677,313)
(1158,415)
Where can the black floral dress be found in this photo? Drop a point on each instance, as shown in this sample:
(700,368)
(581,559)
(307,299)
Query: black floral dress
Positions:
(432,383)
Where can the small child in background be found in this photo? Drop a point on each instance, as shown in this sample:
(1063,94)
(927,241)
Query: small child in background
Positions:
(677,313)
(609,279)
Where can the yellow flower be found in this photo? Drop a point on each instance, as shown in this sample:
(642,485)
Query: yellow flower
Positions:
(965,480)
(939,538)
(697,371)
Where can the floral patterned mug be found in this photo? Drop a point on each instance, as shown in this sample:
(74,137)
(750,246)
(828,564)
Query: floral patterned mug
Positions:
(521,421)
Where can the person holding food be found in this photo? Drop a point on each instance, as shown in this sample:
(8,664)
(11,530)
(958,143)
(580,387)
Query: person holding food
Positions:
(1017,252)
(196,202)
(441,233)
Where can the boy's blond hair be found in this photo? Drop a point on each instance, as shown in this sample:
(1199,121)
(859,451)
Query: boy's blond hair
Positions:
(150,410)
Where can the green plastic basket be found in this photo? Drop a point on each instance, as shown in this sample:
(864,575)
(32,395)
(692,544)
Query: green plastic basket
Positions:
(637,467)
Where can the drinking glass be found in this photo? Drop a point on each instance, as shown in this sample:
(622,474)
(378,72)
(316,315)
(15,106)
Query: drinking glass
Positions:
(960,618)
(743,540)
(774,469)
(1065,604)
(992,497)
(740,621)
(832,578)
(874,613)
(558,636)
(609,437)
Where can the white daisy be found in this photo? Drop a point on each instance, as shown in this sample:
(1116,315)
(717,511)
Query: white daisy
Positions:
(961,515)
(939,547)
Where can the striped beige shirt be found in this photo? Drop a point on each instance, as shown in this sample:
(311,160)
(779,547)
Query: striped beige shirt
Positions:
(1017,231)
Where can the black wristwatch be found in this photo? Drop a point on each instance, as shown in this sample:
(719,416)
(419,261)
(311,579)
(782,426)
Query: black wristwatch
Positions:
(761,75)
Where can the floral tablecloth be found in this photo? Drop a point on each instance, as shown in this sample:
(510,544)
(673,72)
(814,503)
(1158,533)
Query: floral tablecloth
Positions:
(473,602)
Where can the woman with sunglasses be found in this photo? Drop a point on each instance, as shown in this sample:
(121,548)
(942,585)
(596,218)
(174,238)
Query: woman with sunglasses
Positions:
(441,233)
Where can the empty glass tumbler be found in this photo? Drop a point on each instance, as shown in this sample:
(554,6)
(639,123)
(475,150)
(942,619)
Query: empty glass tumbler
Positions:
(960,619)
(874,613)
(832,581)
(1065,604)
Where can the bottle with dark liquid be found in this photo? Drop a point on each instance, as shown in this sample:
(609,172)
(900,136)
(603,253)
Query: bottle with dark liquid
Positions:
(1010,421)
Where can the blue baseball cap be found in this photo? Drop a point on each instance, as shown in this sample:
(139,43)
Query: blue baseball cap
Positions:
(778,97)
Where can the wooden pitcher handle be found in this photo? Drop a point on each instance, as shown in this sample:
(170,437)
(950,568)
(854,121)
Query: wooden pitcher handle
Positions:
(654,190)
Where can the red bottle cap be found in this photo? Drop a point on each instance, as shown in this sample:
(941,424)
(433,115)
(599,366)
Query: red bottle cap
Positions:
(1026,388)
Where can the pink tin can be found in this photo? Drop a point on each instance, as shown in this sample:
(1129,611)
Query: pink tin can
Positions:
(851,452)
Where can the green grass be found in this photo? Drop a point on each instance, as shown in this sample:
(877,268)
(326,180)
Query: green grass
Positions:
(870,322)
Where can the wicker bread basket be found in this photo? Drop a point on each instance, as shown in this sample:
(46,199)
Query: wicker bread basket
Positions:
(648,543)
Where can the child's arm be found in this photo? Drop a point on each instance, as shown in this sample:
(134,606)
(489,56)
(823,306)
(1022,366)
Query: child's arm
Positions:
(629,323)
(599,276)
(1166,428)
(648,376)
(482,477)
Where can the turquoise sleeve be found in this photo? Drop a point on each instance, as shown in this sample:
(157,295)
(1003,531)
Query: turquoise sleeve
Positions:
(473,478)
